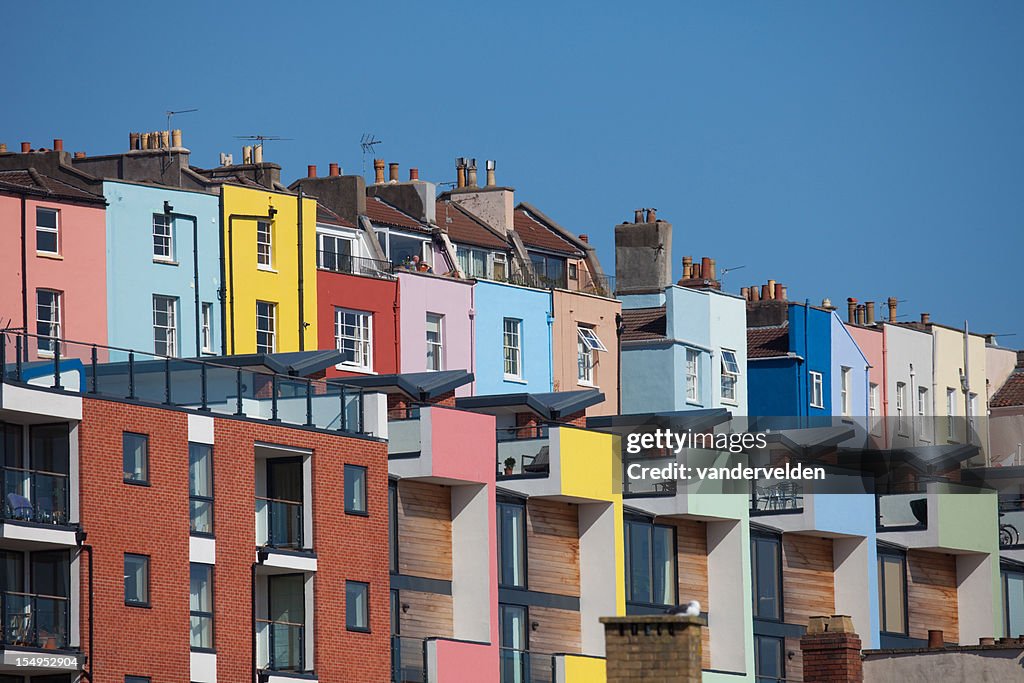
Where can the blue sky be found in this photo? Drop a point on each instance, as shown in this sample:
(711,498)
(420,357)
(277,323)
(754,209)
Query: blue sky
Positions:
(845,149)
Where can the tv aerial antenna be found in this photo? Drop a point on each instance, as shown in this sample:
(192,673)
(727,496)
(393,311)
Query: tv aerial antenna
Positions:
(171,114)
(368,142)
(260,139)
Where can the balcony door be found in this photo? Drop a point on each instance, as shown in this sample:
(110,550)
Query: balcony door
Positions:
(286,595)
(284,489)
(512,636)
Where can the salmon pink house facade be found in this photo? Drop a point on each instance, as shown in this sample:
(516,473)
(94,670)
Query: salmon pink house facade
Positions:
(52,262)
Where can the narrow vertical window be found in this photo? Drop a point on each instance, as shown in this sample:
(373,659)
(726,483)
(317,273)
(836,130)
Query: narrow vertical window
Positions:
(353,337)
(845,377)
(47,231)
(135,455)
(510,345)
(48,317)
(435,341)
(393,525)
(163,237)
(892,586)
(817,390)
(357,606)
(165,325)
(692,375)
(207,333)
(730,375)
(264,244)
(355,489)
(766,576)
(512,545)
(201,606)
(200,488)
(951,412)
(266,327)
(136,580)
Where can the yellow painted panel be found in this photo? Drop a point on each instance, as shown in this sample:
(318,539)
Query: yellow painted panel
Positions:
(584,669)
(246,282)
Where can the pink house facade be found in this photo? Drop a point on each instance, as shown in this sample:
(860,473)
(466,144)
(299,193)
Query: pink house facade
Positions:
(436,324)
(52,263)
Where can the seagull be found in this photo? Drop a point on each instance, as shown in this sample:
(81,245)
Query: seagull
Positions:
(691,609)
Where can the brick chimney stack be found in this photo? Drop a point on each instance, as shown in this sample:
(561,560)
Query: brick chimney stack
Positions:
(831,651)
(643,254)
(661,648)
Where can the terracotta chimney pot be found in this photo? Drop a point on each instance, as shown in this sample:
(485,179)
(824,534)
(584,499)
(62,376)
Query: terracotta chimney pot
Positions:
(26,147)
(311,171)
(334,169)
(378,171)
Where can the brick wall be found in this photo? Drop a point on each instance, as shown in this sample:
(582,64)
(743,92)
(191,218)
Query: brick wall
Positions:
(831,651)
(653,649)
(148,520)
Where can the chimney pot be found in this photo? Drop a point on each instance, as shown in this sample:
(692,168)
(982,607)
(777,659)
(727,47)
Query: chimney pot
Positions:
(78,155)
(414,174)
(311,171)
(780,292)
(334,170)
(585,238)
(165,139)
(26,147)
(471,173)
(393,172)
(247,154)
(378,171)
(257,154)
(860,314)
(3,148)
(687,266)
(892,308)
(705,268)
(133,141)
(936,640)
(745,293)
(176,137)
(755,293)
(58,145)
(869,313)
(638,216)
(766,292)
(851,310)
(771,289)
(926,318)
(652,215)
(710,274)
(490,172)
(460,172)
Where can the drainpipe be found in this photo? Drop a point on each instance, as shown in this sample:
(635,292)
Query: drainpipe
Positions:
(252,609)
(396,309)
(472,335)
(24,273)
(913,404)
(169,212)
(807,374)
(551,340)
(222,291)
(618,368)
(90,659)
(230,295)
(302,302)
(883,399)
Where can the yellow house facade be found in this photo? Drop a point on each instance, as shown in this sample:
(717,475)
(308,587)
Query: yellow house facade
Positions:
(954,398)
(269,270)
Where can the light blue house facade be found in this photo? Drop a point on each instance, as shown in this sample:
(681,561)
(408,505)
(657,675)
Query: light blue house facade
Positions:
(163,269)
(512,339)
(684,349)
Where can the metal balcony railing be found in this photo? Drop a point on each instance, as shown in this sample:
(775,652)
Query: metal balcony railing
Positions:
(408,660)
(771,497)
(35,496)
(523,451)
(280,645)
(125,374)
(524,666)
(279,523)
(33,620)
(1011,522)
(354,265)
(903,509)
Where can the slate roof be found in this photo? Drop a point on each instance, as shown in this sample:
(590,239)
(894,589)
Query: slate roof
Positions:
(1011,393)
(465,228)
(641,324)
(380,212)
(32,182)
(534,233)
(767,342)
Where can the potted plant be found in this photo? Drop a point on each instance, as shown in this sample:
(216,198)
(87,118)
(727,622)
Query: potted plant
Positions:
(510,464)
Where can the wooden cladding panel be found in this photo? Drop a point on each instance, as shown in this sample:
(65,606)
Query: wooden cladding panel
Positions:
(692,570)
(424,530)
(429,615)
(553,547)
(931,594)
(558,630)
(808,578)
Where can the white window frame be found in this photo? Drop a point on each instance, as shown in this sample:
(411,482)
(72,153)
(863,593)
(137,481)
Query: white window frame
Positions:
(170,329)
(163,222)
(271,331)
(466,255)
(901,405)
(590,338)
(730,375)
(498,259)
(511,343)
(951,413)
(265,245)
(437,346)
(362,338)
(206,334)
(693,375)
(426,250)
(54,230)
(51,339)
(874,405)
(321,239)
(845,374)
(584,362)
(817,389)
(922,411)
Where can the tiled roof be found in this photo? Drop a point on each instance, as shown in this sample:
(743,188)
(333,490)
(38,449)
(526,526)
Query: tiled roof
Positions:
(325,215)
(32,181)
(640,324)
(465,228)
(535,234)
(767,342)
(1011,393)
(379,211)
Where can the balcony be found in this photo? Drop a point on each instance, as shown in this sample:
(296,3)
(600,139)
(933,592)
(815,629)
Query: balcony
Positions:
(523,452)
(280,645)
(354,265)
(776,497)
(279,523)
(35,496)
(408,660)
(1011,523)
(525,666)
(903,511)
(944,516)
(34,621)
